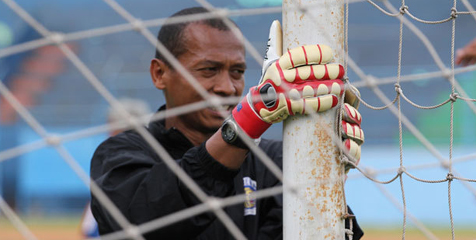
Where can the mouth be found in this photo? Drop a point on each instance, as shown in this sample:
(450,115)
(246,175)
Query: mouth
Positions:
(223,108)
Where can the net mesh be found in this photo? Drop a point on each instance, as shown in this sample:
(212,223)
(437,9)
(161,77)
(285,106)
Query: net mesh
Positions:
(376,95)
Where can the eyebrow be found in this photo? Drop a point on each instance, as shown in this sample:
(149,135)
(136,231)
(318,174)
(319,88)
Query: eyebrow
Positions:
(216,63)
(240,65)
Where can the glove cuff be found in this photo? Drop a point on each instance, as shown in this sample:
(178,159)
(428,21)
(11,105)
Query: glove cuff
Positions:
(248,120)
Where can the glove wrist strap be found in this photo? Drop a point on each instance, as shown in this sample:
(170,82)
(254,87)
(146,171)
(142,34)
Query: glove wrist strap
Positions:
(248,120)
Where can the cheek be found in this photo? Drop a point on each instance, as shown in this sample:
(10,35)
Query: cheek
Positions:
(239,86)
(184,94)
(186,89)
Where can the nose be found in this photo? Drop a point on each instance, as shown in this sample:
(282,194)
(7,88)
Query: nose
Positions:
(224,85)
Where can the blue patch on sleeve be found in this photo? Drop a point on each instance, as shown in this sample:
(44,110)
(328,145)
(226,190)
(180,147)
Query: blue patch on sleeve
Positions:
(239,107)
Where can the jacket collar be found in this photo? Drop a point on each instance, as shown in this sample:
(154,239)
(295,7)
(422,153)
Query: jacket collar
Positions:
(172,137)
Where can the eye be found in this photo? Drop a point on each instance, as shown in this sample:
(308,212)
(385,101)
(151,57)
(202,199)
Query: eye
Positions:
(237,73)
(208,71)
(211,68)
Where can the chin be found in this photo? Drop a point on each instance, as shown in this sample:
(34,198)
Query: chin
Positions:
(207,124)
(211,122)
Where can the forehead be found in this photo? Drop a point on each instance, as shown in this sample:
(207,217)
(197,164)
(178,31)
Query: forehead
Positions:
(201,39)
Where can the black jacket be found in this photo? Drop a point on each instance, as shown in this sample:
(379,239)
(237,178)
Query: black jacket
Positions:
(143,188)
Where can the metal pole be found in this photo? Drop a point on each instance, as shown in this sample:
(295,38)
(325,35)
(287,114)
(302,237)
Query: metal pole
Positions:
(310,158)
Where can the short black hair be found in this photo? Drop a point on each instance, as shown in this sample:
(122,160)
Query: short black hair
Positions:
(171,34)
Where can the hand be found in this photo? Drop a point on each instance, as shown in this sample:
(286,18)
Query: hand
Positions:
(467,55)
(352,134)
(299,82)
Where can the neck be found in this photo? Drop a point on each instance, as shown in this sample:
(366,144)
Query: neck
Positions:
(194,136)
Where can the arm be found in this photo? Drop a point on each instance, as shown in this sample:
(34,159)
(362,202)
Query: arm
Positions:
(228,155)
(143,188)
(467,55)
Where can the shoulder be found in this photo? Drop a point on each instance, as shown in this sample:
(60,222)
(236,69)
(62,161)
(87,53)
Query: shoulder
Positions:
(122,148)
(125,140)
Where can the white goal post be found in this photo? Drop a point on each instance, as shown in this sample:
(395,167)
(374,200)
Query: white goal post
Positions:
(310,157)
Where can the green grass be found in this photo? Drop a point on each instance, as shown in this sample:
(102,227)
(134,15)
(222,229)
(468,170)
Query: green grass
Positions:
(440,232)
(67,228)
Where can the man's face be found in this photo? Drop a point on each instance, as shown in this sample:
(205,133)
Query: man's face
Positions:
(217,61)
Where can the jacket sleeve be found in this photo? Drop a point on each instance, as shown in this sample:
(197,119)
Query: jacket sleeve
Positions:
(143,188)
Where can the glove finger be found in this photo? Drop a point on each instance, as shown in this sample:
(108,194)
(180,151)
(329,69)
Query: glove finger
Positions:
(352,131)
(316,88)
(309,105)
(320,103)
(353,150)
(350,114)
(352,95)
(274,48)
(313,72)
(306,55)
(304,99)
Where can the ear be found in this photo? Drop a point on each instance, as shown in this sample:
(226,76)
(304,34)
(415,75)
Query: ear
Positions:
(158,70)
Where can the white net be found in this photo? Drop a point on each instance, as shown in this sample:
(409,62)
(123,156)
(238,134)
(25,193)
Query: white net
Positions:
(394,54)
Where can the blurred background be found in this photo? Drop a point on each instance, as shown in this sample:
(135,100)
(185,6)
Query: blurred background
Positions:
(40,185)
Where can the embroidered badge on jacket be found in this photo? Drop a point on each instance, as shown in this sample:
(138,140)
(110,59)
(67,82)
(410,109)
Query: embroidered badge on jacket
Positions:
(250,203)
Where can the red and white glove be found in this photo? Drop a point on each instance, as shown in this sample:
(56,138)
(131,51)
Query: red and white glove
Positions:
(301,81)
(352,133)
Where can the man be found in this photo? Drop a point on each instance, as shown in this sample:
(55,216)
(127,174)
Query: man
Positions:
(141,185)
